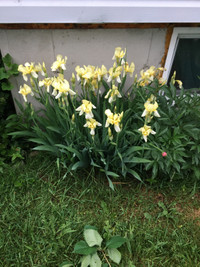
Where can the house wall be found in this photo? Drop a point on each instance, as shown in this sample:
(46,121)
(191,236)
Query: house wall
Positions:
(145,47)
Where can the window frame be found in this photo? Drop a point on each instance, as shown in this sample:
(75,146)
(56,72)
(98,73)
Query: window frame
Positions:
(178,33)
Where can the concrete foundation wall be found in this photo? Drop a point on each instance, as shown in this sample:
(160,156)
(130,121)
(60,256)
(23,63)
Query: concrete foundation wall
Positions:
(145,47)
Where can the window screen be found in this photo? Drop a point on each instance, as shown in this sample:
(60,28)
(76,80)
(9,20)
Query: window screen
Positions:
(187,63)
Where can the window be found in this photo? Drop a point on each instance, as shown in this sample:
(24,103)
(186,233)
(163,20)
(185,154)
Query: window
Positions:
(184,57)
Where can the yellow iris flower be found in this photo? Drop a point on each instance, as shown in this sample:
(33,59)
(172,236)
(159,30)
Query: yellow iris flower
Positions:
(41,68)
(61,86)
(151,71)
(92,124)
(88,73)
(101,72)
(150,108)
(129,69)
(79,72)
(114,73)
(146,131)
(91,74)
(27,69)
(59,63)
(113,93)
(86,108)
(25,90)
(180,84)
(119,54)
(47,82)
(113,119)
(147,76)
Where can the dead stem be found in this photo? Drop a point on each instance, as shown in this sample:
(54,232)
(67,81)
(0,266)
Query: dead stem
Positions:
(104,255)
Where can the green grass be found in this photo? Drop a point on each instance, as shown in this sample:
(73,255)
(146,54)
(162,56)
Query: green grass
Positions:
(42,216)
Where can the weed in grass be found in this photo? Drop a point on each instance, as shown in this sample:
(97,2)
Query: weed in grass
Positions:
(96,251)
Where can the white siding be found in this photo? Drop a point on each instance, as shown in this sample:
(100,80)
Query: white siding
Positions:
(98,11)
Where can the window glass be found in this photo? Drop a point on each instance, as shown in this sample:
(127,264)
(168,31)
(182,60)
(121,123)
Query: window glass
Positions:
(187,63)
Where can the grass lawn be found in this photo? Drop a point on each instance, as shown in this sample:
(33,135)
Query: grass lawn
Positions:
(42,216)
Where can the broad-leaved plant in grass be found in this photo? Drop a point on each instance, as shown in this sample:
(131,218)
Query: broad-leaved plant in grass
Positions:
(97,252)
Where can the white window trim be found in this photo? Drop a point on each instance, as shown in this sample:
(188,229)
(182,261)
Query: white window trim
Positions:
(99,11)
(187,32)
